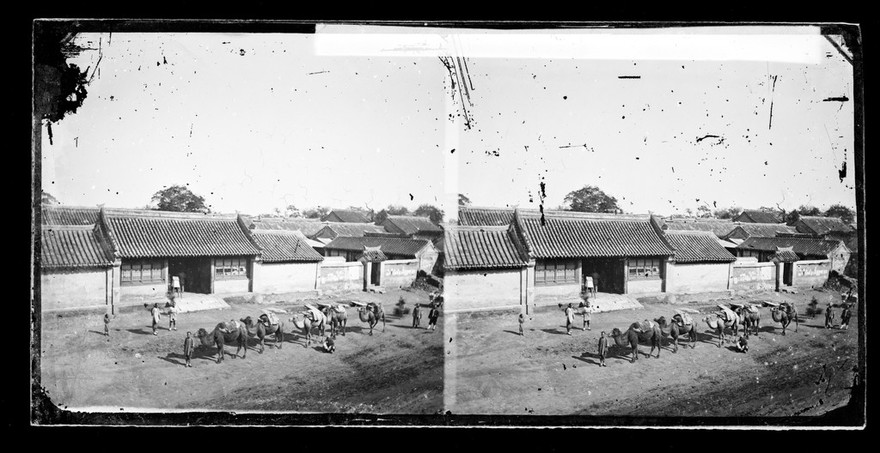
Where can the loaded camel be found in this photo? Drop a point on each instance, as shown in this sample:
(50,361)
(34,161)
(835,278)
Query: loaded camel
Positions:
(749,316)
(678,327)
(264,327)
(225,332)
(783,313)
(337,317)
(308,320)
(371,313)
(722,320)
(645,332)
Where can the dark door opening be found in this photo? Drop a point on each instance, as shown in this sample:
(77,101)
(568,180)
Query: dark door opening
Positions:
(787,270)
(607,274)
(374,273)
(194,273)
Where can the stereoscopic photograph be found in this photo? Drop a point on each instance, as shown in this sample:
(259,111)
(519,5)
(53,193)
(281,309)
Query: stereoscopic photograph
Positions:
(447,224)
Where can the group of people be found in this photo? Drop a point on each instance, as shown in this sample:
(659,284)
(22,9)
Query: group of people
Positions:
(845,315)
(433,314)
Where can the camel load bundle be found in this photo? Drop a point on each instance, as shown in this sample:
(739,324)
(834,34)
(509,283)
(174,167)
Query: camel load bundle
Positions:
(644,326)
(683,318)
(726,313)
(313,312)
(270,318)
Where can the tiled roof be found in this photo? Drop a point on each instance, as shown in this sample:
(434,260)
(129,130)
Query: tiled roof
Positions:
(784,255)
(766,230)
(285,246)
(391,246)
(64,246)
(347,216)
(145,233)
(822,225)
(481,247)
(728,244)
(755,216)
(718,227)
(373,255)
(801,246)
(567,234)
(308,226)
(440,243)
(411,224)
(68,215)
(697,246)
(475,216)
(349,229)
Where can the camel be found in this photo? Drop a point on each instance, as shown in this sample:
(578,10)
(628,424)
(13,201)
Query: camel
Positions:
(634,335)
(749,319)
(220,336)
(718,325)
(371,314)
(337,318)
(675,330)
(261,331)
(305,324)
(784,316)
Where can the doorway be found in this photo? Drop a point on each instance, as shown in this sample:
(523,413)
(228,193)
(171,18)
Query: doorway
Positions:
(194,273)
(787,272)
(607,273)
(375,273)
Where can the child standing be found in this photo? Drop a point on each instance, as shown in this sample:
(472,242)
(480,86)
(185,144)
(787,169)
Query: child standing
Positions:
(522,320)
(188,348)
(603,348)
(569,318)
(172,315)
(107,324)
(154,313)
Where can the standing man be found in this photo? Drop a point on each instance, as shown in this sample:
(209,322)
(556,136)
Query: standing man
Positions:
(603,348)
(417,316)
(595,277)
(829,316)
(845,315)
(569,318)
(432,317)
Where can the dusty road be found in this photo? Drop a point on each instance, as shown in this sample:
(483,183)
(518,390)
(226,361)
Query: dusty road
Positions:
(396,371)
(493,370)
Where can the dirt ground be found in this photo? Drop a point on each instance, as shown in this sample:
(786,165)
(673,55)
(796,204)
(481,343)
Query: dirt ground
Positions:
(493,370)
(399,370)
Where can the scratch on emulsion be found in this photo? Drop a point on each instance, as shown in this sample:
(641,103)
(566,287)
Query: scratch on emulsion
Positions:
(772,90)
(458,72)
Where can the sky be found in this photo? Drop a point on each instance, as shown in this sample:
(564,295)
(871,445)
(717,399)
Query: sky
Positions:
(665,120)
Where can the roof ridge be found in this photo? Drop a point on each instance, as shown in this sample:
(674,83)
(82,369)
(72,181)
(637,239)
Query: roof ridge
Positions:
(690,232)
(67,227)
(586,215)
(478,227)
(64,206)
(167,214)
(495,208)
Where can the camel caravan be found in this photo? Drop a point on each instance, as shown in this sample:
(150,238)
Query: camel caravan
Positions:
(729,317)
(311,320)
